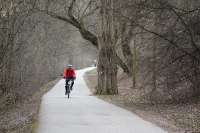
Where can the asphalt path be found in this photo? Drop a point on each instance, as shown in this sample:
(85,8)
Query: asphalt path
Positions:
(84,113)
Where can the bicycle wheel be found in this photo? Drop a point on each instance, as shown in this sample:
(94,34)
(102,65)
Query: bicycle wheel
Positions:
(68,91)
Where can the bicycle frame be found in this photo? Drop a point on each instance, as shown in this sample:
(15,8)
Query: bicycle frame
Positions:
(69,86)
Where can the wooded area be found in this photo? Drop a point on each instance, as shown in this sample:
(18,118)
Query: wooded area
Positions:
(35,49)
(156,42)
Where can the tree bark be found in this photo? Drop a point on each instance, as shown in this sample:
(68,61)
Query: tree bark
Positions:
(107,52)
(107,69)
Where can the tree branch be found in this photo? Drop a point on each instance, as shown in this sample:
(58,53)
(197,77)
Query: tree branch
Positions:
(84,33)
(123,65)
(88,14)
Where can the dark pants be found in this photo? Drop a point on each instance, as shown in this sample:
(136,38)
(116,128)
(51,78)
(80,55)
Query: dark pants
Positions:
(67,80)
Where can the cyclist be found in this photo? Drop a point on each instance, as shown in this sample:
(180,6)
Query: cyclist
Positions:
(69,74)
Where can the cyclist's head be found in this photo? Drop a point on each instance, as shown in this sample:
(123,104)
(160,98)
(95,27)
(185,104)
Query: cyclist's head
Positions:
(70,67)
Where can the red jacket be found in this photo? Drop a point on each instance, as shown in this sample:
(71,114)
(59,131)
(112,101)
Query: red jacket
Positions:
(69,74)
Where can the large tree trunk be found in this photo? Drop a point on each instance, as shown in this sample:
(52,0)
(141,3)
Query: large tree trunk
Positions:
(107,69)
(107,66)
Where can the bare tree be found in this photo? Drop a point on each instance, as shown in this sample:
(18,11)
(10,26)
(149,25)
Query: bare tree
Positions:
(35,49)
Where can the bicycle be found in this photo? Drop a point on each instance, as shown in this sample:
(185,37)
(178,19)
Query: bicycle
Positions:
(69,86)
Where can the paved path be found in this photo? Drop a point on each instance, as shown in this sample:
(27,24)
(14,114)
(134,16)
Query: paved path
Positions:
(83,113)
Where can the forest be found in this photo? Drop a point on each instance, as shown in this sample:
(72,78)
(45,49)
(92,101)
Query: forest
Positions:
(35,49)
(155,42)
